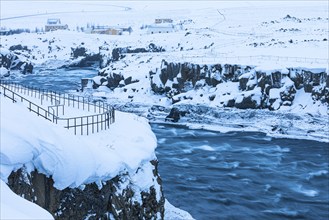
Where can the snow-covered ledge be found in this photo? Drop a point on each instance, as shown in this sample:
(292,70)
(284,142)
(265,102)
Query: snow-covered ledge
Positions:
(61,172)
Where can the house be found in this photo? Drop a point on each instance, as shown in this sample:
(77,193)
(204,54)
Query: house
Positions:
(104,30)
(55,24)
(161,25)
(160,28)
(163,20)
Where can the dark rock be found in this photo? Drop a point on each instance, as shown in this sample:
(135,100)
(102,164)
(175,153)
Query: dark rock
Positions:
(19,47)
(247,102)
(230,103)
(243,83)
(297,77)
(276,78)
(320,93)
(308,77)
(174,115)
(288,94)
(78,52)
(79,203)
(114,80)
(11,62)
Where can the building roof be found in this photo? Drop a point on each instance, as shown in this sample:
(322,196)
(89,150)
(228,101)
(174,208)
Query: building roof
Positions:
(53,21)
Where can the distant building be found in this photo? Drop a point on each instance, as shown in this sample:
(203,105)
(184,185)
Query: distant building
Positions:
(161,25)
(55,24)
(160,28)
(106,30)
(163,20)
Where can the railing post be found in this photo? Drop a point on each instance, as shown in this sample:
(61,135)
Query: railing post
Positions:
(81,125)
(93,123)
(97,124)
(101,121)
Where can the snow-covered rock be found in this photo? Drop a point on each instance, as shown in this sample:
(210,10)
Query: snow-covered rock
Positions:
(62,172)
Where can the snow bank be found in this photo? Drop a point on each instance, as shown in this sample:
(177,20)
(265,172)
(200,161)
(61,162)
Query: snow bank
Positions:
(15,207)
(29,140)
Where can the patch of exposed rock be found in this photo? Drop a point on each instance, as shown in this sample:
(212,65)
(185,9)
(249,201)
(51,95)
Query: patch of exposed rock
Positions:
(116,198)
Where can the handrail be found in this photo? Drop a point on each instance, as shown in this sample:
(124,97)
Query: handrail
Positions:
(102,120)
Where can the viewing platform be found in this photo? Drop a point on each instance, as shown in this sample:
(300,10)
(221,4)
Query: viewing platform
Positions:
(81,115)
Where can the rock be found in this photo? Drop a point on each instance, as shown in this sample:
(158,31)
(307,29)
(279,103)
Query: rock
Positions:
(263,80)
(307,81)
(101,200)
(174,115)
(19,47)
(297,77)
(246,102)
(11,61)
(320,93)
(243,83)
(114,80)
(78,52)
(288,94)
(276,78)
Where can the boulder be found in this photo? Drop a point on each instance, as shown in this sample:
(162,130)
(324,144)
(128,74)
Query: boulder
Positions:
(174,115)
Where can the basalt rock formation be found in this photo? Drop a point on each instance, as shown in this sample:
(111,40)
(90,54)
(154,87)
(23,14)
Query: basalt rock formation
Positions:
(256,88)
(116,198)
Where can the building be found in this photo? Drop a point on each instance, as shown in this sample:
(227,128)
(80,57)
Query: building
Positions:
(160,28)
(55,24)
(163,20)
(106,30)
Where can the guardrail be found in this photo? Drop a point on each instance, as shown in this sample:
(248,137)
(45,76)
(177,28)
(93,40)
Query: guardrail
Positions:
(103,116)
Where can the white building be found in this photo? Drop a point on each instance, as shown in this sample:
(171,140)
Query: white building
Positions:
(55,24)
(160,28)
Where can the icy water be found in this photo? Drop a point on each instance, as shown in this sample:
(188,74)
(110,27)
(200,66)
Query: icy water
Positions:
(243,175)
(58,80)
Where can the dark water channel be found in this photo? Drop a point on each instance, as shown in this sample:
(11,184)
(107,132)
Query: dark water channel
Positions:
(243,175)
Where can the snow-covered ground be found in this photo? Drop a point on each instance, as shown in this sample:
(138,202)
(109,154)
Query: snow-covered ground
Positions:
(15,207)
(48,148)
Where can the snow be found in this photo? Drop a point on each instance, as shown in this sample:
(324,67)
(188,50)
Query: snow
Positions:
(49,148)
(173,213)
(14,207)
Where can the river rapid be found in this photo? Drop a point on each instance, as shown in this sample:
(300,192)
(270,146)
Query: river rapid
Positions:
(236,175)
(243,175)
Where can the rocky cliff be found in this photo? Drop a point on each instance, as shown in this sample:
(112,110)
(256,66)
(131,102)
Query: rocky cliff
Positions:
(118,198)
(239,86)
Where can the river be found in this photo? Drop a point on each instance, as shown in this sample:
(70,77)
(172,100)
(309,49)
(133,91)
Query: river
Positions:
(243,175)
(238,175)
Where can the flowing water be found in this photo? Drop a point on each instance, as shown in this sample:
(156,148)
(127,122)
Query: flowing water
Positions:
(243,175)
(228,176)
(59,80)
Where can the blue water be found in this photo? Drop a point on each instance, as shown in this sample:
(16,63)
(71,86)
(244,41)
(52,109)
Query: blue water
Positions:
(59,80)
(243,175)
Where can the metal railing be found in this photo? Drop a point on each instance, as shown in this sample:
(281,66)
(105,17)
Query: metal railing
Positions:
(103,116)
